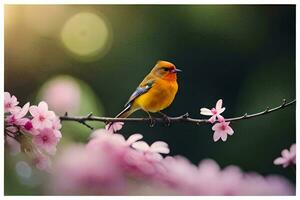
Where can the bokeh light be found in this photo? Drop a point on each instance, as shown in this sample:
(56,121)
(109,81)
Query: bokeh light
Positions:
(62,93)
(23,169)
(45,20)
(65,93)
(86,35)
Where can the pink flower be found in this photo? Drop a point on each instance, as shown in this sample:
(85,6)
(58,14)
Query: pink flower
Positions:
(46,140)
(133,138)
(104,141)
(287,157)
(82,171)
(28,127)
(10,102)
(156,147)
(209,179)
(214,112)
(56,126)
(103,135)
(180,175)
(17,114)
(41,116)
(110,163)
(221,130)
(152,152)
(113,127)
(140,164)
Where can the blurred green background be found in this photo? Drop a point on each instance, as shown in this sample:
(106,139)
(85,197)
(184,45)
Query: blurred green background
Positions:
(242,54)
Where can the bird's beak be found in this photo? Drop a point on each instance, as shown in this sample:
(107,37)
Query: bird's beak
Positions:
(176,70)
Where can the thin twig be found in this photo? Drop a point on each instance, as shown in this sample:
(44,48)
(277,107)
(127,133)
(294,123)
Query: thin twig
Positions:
(6,133)
(179,119)
(81,120)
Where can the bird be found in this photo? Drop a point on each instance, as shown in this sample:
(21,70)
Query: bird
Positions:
(155,93)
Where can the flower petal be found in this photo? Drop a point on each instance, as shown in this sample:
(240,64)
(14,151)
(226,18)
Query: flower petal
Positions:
(23,111)
(43,106)
(159,144)
(141,145)
(216,126)
(34,111)
(229,130)
(224,137)
(51,115)
(293,148)
(217,136)
(221,110)
(279,161)
(114,126)
(221,118)
(133,138)
(6,96)
(160,147)
(219,104)
(163,150)
(212,119)
(205,111)
(285,153)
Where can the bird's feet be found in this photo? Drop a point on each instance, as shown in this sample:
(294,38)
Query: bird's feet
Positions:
(152,121)
(166,118)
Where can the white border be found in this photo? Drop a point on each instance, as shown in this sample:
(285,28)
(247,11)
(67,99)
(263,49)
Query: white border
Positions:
(150,2)
(140,2)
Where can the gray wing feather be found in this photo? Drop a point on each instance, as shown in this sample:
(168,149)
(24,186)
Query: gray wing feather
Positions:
(139,91)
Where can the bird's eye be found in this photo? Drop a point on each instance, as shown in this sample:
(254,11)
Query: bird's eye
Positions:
(166,69)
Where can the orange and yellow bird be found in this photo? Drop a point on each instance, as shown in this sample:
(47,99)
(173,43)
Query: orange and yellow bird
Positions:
(155,93)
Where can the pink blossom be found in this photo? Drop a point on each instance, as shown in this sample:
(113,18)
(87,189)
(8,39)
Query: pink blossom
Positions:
(42,118)
(152,152)
(156,147)
(140,164)
(209,179)
(214,112)
(104,141)
(56,126)
(46,140)
(114,127)
(79,170)
(133,138)
(255,184)
(103,135)
(28,128)
(287,157)
(180,175)
(221,130)
(17,114)
(111,166)
(10,102)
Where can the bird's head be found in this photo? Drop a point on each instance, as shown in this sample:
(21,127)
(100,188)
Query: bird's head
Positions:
(165,70)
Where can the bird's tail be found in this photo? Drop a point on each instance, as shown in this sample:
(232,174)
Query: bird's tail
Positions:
(128,110)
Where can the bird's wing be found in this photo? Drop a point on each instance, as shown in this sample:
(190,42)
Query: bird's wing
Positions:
(144,87)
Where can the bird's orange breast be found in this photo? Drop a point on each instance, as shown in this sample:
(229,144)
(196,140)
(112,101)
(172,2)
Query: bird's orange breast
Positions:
(159,97)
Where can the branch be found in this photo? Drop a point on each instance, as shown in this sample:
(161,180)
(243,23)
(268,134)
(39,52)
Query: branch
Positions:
(183,118)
